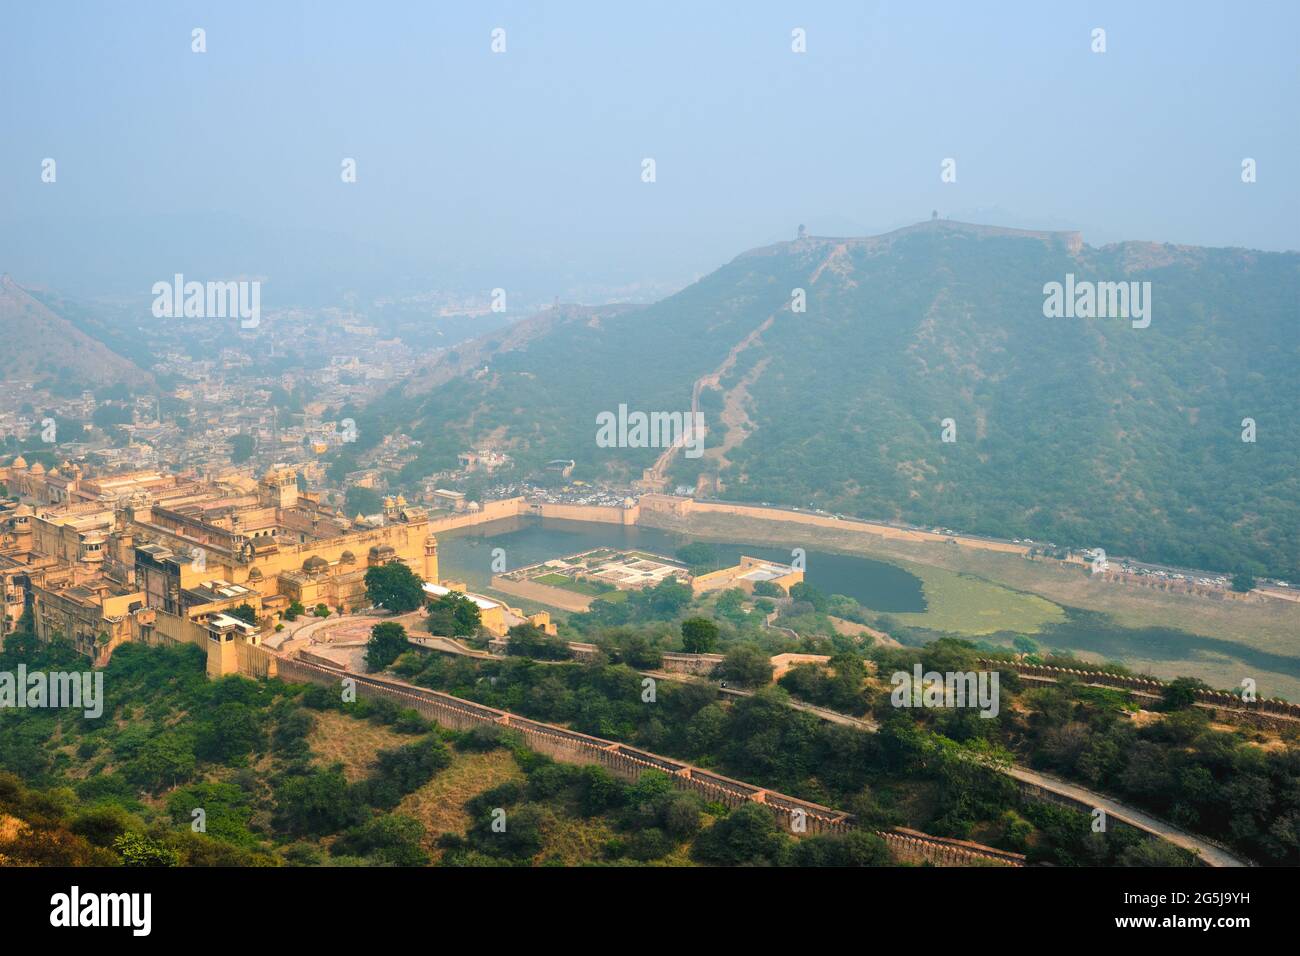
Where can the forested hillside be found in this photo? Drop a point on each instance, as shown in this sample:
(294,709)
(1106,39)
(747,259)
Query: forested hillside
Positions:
(1084,431)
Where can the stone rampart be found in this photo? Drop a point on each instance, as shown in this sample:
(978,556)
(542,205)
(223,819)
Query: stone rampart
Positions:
(678,663)
(628,763)
(1217,699)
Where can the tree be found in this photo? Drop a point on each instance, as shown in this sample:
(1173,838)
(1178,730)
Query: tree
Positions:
(394,586)
(855,848)
(1025,645)
(803,591)
(698,556)
(1243,581)
(1153,852)
(529,640)
(163,760)
(634,648)
(108,415)
(699,635)
(598,790)
(729,605)
(226,811)
(136,849)
(391,840)
(518,834)
(387,643)
(102,824)
(768,589)
(364,501)
(454,615)
(748,835)
(1180,693)
(706,731)
(663,600)
(245,613)
(746,665)
(234,730)
(317,803)
(405,769)
(844,686)
(241,449)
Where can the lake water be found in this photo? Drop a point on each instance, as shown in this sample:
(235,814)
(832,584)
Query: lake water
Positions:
(466,554)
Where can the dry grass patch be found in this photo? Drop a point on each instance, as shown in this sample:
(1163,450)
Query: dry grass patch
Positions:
(574,842)
(338,738)
(440,803)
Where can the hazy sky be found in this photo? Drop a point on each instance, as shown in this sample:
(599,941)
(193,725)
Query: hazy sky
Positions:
(474,165)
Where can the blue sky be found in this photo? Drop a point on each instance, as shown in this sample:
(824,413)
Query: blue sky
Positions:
(471,165)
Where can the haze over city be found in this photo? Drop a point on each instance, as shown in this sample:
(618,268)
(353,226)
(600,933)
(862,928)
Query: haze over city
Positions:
(523,170)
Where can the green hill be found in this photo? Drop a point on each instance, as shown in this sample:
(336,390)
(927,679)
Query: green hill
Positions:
(1081,431)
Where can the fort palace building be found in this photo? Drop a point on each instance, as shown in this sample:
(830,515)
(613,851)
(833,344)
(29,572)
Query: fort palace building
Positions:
(142,555)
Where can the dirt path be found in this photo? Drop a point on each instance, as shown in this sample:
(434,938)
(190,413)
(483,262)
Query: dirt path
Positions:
(854,629)
(451,646)
(564,599)
(1211,853)
(713,380)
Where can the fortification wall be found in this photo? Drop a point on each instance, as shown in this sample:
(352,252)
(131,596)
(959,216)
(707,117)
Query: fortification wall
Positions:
(628,763)
(912,846)
(1155,583)
(606,514)
(491,511)
(155,626)
(669,511)
(256,661)
(1206,698)
(704,664)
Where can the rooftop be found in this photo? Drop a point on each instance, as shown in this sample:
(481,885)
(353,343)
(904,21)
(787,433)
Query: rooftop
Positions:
(437,590)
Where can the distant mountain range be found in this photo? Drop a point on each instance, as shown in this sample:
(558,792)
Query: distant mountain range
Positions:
(1080,430)
(47,347)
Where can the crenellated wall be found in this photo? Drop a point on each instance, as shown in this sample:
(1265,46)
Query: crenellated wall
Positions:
(490,511)
(568,746)
(1220,700)
(671,512)
(606,514)
(679,663)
